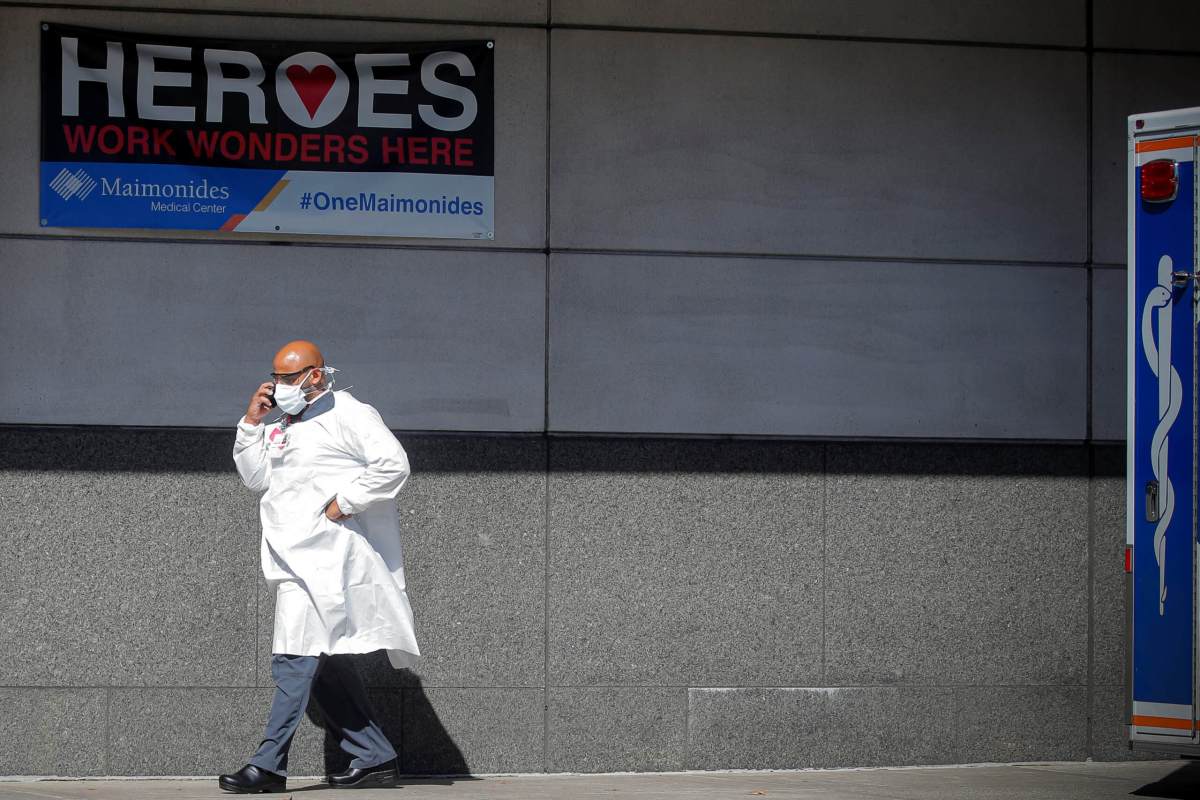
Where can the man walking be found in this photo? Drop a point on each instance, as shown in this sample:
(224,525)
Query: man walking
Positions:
(331,549)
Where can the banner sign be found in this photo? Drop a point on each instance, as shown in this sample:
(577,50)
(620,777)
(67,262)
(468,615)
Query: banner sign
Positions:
(148,131)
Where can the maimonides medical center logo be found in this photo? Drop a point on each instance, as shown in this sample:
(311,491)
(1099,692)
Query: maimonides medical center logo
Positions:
(77,184)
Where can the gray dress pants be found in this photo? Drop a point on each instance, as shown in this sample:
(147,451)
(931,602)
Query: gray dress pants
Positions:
(337,689)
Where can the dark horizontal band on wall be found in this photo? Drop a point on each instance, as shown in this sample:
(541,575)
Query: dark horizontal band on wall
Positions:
(127,449)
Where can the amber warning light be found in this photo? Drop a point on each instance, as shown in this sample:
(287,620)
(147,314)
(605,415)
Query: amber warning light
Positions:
(1160,180)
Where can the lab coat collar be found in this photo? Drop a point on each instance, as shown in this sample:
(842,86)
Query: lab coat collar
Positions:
(317,406)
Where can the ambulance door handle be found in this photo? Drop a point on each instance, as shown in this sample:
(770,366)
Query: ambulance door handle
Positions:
(1151,501)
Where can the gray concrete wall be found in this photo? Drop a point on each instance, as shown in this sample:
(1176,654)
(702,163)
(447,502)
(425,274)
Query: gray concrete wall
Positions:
(800,223)
(593,604)
(839,151)
(914,179)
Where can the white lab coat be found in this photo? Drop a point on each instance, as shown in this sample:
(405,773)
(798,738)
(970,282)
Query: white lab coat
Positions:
(339,586)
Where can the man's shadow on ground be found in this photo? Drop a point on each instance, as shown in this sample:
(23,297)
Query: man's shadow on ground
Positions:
(411,723)
(1182,784)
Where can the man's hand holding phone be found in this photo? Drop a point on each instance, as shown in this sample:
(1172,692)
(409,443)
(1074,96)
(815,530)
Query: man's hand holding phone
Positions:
(261,402)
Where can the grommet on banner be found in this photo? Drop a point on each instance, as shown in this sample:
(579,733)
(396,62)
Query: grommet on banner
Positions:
(491,45)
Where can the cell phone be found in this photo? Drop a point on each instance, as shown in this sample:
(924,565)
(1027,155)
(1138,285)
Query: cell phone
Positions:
(271,397)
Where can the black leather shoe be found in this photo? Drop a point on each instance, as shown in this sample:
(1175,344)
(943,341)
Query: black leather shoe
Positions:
(369,777)
(250,780)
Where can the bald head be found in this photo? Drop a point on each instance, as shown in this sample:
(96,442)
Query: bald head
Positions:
(298,356)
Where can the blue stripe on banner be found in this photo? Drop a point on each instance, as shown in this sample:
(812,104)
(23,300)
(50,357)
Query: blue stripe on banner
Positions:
(92,195)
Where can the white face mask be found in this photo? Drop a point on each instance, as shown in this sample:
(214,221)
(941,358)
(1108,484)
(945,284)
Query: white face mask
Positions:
(290,397)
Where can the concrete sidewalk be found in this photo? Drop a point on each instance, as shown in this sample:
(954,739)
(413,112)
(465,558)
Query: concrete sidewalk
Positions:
(1052,781)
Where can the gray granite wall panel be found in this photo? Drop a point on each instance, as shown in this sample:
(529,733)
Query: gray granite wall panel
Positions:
(756,728)
(458,731)
(183,731)
(1162,25)
(881,726)
(1021,723)
(1109,354)
(795,728)
(1110,734)
(112,333)
(1060,22)
(956,565)
(1109,634)
(520,93)
(476,545)
(53,731)
(1124,84)
(655,544)
(666,344)
(616,729)
(126,574)
(180,731)
(762,145)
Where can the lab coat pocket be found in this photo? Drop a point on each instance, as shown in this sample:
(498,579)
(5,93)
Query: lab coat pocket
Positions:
(325,525)
(324,520)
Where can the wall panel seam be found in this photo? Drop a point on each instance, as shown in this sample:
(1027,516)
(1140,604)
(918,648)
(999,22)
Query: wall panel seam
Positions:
(546,613)
(822,257)
(1089,350)
(1089,65)
(547,249)
(565,435)
(349,244)
(820,37)
(687,727)
(257,631)
(107,730)
(234,12)
(1147,51)
(1091,600)
(550,25)
(550,250)
(820,687)
(540,687)
(1089,93)
(546,421)
(824,522)
(955,734)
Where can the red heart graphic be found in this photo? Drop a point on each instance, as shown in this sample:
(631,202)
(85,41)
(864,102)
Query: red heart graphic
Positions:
(312,85)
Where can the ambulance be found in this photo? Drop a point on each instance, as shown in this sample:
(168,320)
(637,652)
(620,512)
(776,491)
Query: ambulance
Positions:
(1161,454)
